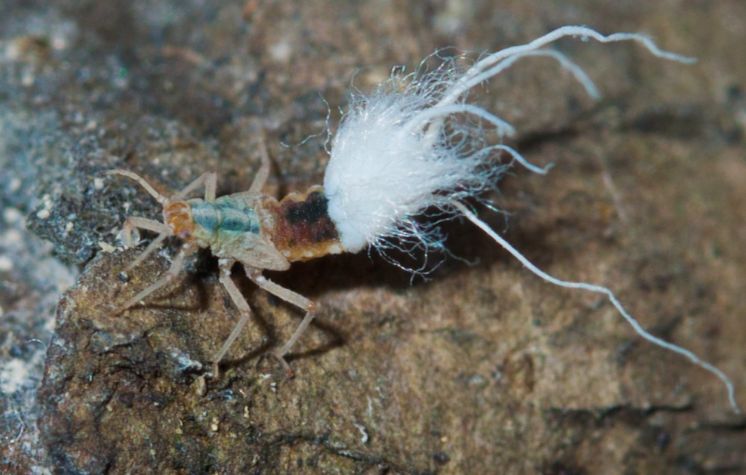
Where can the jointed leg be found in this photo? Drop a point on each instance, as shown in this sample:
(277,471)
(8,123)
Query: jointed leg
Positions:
(143,223)
(176,266)
(210,180)
(243,307)
(261,176)
(155,244)
(131,223)
(289,296)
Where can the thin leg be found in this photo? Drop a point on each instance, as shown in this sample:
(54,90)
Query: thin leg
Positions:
(171,274)
(211,186)
(289,296)
(209,179)
(261,177)
(243,307)
(131,223)
(143,223)
(148,251)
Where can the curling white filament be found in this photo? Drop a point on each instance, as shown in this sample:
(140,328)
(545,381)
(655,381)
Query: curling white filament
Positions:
(414,144)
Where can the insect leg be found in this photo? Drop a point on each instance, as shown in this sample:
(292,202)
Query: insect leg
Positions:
(176,266)
(132,222)
(148,251)
(291,297)
(261,177)
(209,179)
(243,307)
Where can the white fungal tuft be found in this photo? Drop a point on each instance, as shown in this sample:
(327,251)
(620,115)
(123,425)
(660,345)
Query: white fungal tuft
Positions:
(415,144)
(385,168)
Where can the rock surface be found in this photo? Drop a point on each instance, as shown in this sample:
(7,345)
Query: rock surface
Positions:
(483,369)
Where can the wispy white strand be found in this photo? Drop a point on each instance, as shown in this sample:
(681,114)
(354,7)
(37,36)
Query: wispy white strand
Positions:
(465,82)
(420,120)
(522,161)
(468,214)
(501,66)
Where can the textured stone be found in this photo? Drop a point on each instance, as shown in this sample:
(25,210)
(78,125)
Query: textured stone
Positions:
(482,369)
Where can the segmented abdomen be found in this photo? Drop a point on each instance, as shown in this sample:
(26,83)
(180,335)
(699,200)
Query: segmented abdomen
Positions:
(225,216)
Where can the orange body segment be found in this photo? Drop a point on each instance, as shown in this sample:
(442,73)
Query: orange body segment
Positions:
(178,216)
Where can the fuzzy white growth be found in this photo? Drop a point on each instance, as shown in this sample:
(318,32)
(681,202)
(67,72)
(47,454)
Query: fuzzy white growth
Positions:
(389,163)
(415,144)
(380,175)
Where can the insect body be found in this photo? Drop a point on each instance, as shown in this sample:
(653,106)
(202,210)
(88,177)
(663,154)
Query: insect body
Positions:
(254,229)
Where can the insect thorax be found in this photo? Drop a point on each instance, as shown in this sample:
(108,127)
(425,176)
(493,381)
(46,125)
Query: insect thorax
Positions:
(225,219)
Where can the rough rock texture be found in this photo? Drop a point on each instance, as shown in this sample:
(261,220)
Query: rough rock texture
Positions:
(483,369)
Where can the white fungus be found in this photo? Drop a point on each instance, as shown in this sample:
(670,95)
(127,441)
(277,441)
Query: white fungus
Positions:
(416,145)
(410,145)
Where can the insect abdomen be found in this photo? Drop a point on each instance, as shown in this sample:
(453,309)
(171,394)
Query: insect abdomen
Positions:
(303,229)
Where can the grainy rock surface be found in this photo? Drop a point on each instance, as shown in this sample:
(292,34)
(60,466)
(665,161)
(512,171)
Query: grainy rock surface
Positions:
(483,369)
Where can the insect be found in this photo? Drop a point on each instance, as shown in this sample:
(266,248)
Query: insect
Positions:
(412,145)
(254,229)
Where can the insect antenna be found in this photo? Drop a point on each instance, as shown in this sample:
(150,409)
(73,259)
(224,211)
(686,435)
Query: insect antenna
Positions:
(159,197)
